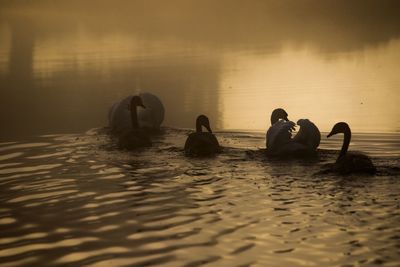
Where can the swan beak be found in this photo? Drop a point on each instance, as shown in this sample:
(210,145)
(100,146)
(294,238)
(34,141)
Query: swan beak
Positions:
(329,135)
(209,128)
(143,106)
(286,119)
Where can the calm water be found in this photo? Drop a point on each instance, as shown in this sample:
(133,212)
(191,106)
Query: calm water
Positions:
(63,63)
(68,197)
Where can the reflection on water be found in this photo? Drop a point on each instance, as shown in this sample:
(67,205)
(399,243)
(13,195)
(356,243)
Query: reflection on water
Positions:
(361,88)
(90,204)
(73,199)
(233,61)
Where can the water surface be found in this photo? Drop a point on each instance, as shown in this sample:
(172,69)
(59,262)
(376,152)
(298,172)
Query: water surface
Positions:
(63,64)
(76,200)
(69,198)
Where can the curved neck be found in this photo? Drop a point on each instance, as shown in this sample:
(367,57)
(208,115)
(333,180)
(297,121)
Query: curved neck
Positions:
(198,127)
(346,143)
(134,119)
(276,115)
(274,118)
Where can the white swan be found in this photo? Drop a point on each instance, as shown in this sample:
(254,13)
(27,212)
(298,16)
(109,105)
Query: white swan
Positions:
(279,136)
(151,117)
(135,137)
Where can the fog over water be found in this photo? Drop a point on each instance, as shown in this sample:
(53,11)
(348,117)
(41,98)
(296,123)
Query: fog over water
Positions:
(63,63)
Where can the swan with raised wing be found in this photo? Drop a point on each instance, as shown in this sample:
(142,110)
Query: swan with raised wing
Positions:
(134,137)
(279,141)
(150,118)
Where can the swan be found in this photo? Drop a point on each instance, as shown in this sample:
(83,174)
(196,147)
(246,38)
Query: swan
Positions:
(150,118)
(202,143)
(134,137)
(348,163)
(279,141)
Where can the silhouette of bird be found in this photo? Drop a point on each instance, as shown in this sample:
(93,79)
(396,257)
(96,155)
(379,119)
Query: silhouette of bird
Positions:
(348,163)
(279,141)
(150,118)
(134,137)
(202,143)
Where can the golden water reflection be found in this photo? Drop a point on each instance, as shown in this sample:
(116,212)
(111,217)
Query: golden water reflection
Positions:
(235,66)
(359,87)
(236,209)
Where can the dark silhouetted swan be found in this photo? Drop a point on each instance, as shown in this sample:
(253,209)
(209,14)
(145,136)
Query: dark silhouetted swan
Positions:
(279,136)
(202,143)
(348,163)
(150,118)
(134,137)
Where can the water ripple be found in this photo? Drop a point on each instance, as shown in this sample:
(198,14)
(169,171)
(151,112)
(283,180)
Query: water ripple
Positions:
(76,200)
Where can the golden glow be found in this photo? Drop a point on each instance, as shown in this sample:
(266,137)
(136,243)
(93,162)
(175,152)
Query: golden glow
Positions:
(85,51)
(41,246)
(308,84)
(78,256)
(235,67)
(360,88)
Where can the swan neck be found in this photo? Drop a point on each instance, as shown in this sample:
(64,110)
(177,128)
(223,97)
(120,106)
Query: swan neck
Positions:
(274,118)
(198,127)
(346,143)
(134,119)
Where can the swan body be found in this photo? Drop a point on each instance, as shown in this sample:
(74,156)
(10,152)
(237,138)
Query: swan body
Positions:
(134,137)
(353,163)
(348,163)
(279,136)
(202,143)
(149,118)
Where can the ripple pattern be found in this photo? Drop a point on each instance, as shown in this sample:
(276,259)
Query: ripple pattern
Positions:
(74,200)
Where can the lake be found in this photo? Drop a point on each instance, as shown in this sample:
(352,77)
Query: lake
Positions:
(235,62)
(69,197)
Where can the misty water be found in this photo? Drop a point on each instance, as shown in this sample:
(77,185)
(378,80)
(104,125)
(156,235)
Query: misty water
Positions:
(68,196)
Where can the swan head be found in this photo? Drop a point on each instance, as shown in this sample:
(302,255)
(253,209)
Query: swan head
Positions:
(202,120)
(278,114)
(340,127)
(136,101)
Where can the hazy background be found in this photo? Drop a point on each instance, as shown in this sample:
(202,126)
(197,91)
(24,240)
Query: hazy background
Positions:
(63,63)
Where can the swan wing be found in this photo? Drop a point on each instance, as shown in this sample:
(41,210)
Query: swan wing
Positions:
(308,135)
(153,115)
(279,134)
